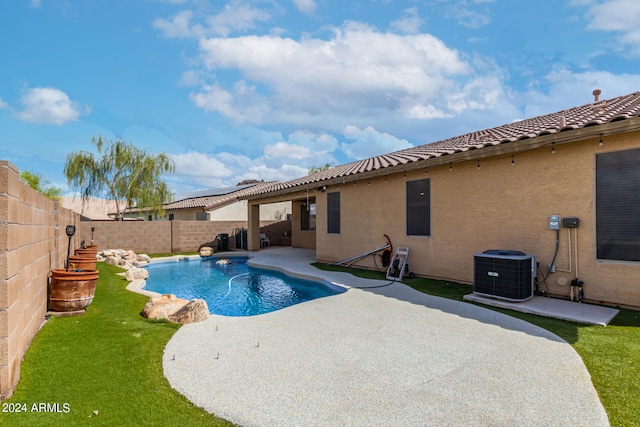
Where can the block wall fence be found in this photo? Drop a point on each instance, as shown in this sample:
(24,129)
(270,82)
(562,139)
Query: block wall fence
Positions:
(33,241)
(159,237)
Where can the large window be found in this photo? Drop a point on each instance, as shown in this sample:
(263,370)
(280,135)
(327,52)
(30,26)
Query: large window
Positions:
(308,216)
(618,205)
(419,208)
(333,212)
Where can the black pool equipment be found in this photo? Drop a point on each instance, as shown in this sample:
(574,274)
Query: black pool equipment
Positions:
(504,274)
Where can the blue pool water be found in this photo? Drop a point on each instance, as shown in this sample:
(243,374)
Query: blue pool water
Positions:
(233,289)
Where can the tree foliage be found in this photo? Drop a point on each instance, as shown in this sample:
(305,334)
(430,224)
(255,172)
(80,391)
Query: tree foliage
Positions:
(128,175)
(40,183)
(314,169)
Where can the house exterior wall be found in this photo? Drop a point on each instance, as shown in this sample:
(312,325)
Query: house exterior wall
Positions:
(498,206)
(238,212)
(33,241)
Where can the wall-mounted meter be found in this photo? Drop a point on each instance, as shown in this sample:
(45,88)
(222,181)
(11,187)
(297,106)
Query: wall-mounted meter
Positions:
(554,222)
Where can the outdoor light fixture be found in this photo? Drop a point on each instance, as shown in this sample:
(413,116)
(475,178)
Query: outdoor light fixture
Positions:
(600,143)
(70,230)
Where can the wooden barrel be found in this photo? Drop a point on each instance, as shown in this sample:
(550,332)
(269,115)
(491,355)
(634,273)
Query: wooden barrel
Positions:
(82,262)
(72,290)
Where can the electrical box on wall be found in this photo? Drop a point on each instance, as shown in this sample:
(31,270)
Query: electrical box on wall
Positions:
(570,222)
(554,222)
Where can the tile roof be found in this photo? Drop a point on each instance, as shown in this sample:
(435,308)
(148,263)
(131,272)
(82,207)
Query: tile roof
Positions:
(592,114)
(210,192)
(209,199)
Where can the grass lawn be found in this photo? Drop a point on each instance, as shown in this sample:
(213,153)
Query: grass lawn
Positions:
(611,354)
(110,361)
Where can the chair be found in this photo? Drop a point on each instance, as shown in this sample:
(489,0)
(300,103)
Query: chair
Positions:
(264,240)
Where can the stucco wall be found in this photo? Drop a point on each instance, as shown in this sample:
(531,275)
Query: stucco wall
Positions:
(32,242)
(498,206)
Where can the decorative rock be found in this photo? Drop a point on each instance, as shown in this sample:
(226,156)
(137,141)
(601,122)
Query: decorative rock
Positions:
(140,264)
(125,264)
(113,260)
(144,258)
(206,251)
(136,273)
(163,307)
(195,310)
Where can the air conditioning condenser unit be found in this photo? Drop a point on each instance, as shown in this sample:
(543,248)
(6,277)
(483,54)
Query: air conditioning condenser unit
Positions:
(504,274)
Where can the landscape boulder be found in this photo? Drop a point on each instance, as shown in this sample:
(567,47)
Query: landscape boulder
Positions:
(195,310)
(113,260)
(136,273)
(163,307)
(144,258)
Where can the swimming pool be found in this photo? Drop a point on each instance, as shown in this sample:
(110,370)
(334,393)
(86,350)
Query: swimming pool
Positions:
(231,287)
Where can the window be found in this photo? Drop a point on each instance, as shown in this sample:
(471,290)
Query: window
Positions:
(201,216)
(333,212)
(308,216)
(617,205)
(419,208)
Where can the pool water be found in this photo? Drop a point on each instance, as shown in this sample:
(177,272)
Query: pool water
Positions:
(233,289)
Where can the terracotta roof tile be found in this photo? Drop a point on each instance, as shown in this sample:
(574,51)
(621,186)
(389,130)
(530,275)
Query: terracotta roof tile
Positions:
(593,114)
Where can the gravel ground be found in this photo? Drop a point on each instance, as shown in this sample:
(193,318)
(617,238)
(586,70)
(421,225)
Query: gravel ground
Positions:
(386,356)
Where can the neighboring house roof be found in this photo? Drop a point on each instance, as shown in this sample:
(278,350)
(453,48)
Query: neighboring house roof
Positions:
(512,137)
(92,208)
(210,199)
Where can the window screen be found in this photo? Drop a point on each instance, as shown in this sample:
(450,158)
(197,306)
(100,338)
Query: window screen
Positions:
(618,205)
(333,212)
(419,208)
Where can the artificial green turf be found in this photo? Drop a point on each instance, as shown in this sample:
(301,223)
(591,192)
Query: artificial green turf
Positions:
(611,354)
(108,360)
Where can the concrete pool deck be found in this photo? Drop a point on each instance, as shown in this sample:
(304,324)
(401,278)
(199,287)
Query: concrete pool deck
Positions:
(388,356)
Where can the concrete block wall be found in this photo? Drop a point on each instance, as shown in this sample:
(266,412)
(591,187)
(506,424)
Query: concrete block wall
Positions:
(160,236)
(32,242)
(138,236)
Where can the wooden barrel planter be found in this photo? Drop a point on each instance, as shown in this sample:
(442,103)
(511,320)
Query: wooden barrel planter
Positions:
(71,290)
(82,262)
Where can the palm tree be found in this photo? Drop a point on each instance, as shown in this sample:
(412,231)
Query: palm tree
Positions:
(129,175)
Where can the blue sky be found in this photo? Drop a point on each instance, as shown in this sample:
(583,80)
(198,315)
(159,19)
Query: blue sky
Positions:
(236,90)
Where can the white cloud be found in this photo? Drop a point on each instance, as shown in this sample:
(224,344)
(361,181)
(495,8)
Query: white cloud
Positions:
(305,6)
(349,75)
(410,23)
(3,104)
(48,105)
(236,16)
(468,15)
(620,16)
(178,27)
(281,149)
(202,169)
(369,142)
(36,3)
